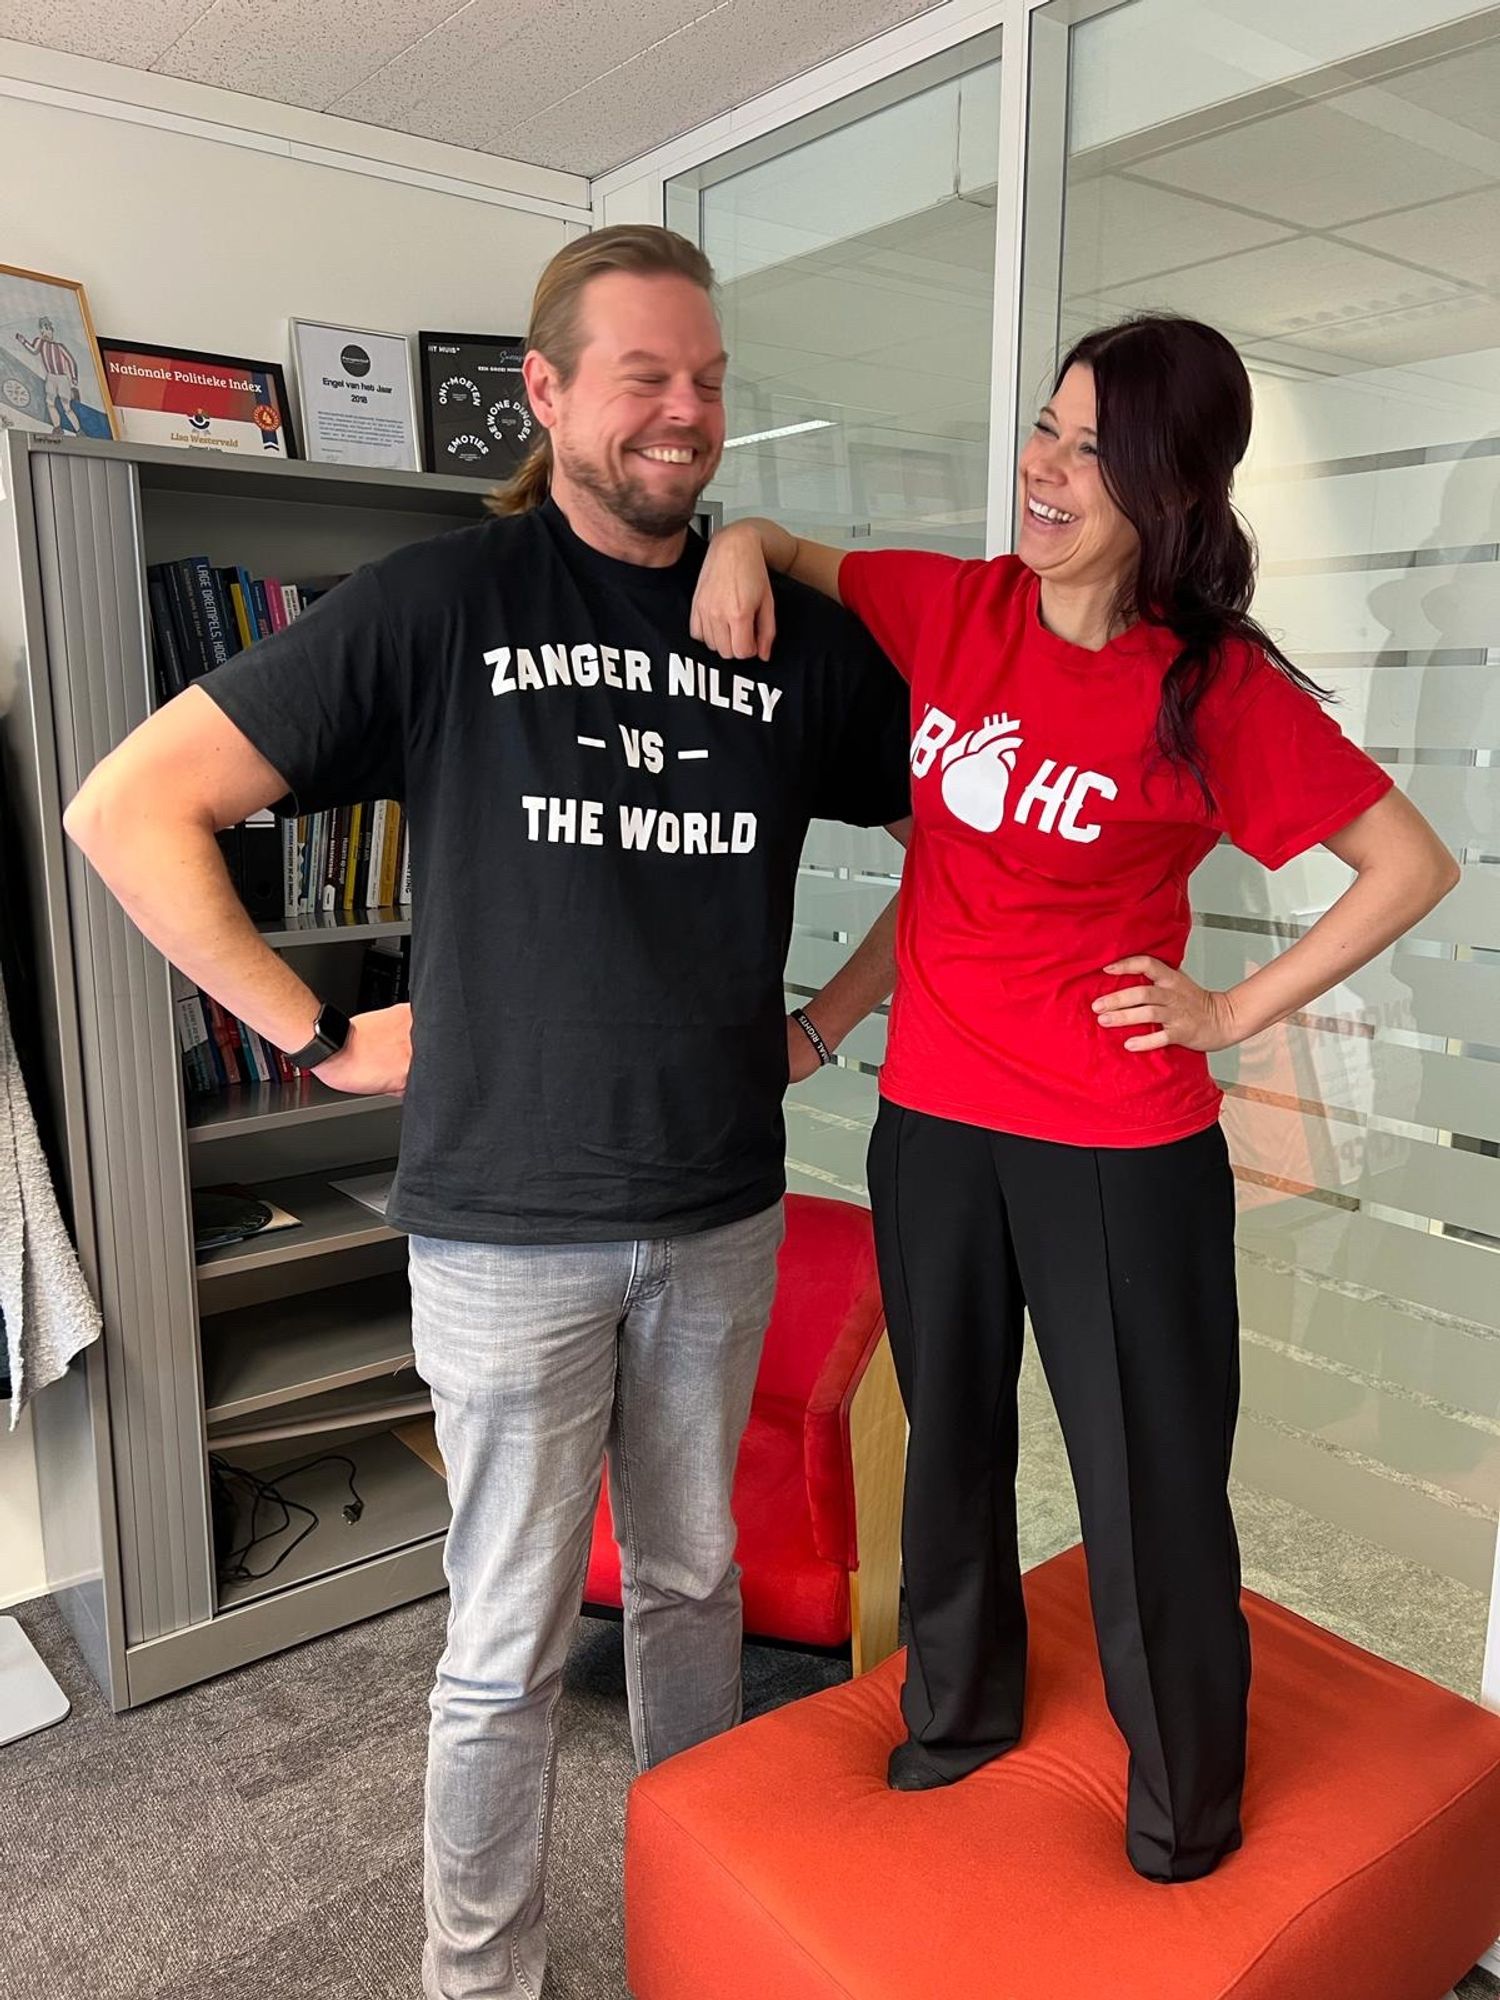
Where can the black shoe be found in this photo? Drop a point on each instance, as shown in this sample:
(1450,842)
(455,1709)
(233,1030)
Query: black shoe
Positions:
(913,1768)
(1190,1867)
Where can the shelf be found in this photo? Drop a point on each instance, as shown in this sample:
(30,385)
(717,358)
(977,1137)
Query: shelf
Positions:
(268,1107)
(326,1221)
(302,1337)
(258,1357)
(324,926)
(318,1416)
(405,1501)
(168,468)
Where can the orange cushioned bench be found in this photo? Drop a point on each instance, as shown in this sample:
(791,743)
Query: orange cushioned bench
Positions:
(773,1863)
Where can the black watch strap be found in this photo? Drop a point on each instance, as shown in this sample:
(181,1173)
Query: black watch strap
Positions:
(330,1032)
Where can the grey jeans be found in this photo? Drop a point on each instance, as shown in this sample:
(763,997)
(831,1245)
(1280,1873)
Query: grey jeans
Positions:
(541,1360)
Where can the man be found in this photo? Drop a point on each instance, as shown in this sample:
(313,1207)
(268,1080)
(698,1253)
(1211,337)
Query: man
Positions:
(605,825)
(61,373)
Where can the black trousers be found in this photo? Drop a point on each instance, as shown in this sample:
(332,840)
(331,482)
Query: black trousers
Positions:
(1125,1259)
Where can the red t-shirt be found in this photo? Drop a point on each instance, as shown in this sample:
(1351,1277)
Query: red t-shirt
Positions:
(1050,840)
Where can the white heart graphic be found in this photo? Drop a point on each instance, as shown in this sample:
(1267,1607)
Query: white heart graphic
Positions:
(976,773)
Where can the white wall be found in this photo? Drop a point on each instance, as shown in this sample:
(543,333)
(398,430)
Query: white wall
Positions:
(215,243)
(21,1570)
(202,217)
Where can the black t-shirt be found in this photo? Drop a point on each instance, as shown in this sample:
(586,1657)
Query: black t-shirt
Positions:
(605,824)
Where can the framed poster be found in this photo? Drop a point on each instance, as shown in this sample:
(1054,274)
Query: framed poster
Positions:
(475,414)
(205,402)
(355,396)
(52,377)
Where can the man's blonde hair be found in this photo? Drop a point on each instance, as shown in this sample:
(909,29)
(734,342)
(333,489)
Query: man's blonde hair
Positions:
(556,329)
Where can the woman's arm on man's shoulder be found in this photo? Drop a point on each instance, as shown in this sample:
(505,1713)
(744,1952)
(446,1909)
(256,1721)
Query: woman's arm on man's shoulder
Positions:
(734,613)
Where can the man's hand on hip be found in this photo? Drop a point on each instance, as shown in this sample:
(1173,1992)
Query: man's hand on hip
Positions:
(375,1059)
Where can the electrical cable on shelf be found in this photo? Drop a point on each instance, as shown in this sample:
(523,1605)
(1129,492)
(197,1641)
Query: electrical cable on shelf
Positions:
(232,1564)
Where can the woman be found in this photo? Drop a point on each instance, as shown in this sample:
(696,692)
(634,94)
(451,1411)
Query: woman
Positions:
(1090,716)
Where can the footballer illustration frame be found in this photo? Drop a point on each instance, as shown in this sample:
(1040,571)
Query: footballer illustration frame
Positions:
(53,381)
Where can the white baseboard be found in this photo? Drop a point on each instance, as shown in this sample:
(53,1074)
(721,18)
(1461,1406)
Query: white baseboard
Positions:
(24,1596)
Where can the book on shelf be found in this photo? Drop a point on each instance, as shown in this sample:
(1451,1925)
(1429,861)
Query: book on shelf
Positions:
(218,1051)
(349,858)
(200,617)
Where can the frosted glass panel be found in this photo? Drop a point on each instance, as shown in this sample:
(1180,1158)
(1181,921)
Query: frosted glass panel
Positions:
(857,277)
(1343,233)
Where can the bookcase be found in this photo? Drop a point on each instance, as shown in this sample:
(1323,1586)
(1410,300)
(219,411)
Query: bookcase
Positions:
(271,1351)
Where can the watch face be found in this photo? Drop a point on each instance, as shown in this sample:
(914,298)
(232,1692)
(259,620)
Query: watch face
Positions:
(332,1029)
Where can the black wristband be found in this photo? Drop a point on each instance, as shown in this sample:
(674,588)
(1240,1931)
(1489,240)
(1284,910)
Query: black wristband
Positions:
(825,1054)
(330,1032)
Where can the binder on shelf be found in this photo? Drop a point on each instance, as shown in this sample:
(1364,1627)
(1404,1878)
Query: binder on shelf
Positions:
(385,975)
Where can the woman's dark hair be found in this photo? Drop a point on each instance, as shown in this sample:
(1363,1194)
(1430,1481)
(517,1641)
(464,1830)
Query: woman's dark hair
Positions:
(1173,422)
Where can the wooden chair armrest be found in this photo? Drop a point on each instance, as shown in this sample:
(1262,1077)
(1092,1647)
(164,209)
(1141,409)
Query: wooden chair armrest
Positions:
(877,1447)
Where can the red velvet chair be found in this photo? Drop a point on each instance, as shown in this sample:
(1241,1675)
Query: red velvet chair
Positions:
(817,1494)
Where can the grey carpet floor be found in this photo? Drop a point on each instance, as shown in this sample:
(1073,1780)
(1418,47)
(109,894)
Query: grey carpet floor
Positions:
(259,1838)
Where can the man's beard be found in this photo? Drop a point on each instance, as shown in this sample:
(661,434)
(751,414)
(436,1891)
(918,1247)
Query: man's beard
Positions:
(657,515)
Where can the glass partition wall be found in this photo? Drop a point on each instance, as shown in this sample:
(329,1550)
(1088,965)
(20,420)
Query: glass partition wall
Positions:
(1323,184)
(856,260)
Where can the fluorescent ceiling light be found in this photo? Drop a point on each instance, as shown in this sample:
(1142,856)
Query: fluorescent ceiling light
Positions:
(785,431)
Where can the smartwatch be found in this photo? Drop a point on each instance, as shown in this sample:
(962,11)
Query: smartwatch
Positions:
(330,1032)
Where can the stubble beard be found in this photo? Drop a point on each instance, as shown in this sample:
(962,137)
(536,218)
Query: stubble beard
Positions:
(630,501)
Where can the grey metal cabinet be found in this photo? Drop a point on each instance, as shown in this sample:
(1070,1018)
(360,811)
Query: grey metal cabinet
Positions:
(274,1350)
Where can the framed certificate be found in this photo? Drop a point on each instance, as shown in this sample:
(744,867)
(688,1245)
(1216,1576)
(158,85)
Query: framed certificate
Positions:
(202,402)
(475,413)
(355,395)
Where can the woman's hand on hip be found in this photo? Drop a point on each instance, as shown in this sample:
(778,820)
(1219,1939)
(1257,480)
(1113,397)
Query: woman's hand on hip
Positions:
(1172,1011)
(734,614)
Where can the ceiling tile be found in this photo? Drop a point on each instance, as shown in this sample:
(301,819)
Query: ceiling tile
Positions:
(573,44)
(134,35)
(581,84)
(1460,237)
(1316,166)
(294,52)
(733,52)
(848,313)
(1464,324)
(407,91)
(959,234)
(752,361)
(1464,89)
(960,267)
(934,251)
(1286,289)
(957,355)
(1119,230)
(836,383)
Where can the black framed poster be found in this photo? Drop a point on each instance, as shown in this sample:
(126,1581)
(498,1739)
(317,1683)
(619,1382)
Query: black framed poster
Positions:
(475,414)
